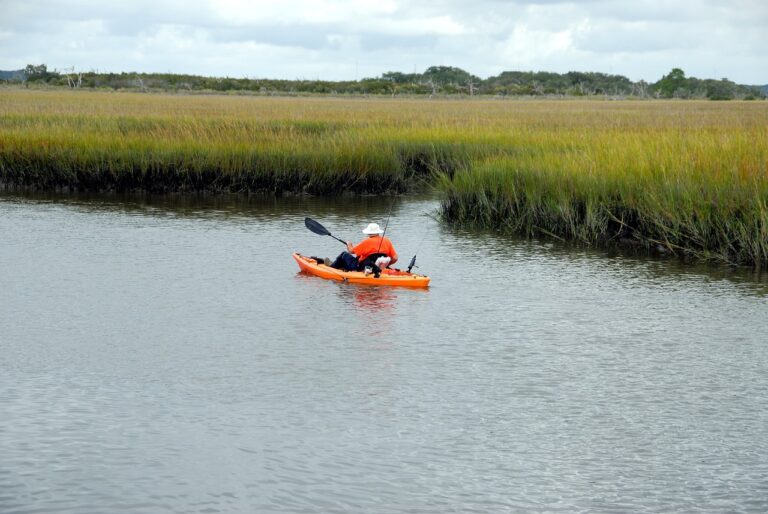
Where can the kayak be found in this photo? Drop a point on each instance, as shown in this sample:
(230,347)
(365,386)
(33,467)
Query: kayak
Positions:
(387,277)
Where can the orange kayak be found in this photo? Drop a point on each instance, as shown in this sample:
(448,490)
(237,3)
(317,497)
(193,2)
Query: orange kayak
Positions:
(388,277)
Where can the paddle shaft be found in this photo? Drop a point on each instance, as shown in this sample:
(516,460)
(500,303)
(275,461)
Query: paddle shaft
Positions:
(339,240)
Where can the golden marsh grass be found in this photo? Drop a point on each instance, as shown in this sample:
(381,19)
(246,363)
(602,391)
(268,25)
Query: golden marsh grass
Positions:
(687,176)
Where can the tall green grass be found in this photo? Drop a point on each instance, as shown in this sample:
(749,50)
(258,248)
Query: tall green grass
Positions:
(700,194)
(166,143)
(686,177)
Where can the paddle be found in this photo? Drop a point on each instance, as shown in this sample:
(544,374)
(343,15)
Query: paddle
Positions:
(320,230)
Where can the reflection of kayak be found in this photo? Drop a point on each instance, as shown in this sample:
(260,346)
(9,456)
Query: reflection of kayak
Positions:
(388,277)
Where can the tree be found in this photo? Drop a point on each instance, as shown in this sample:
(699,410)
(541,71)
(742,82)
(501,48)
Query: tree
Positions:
(74,79)
(471,86)
(401,78)
(641,88)
(721,89)
(674,84)
(36,72)
(448,75)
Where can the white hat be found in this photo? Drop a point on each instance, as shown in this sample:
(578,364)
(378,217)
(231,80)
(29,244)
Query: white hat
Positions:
(372,228)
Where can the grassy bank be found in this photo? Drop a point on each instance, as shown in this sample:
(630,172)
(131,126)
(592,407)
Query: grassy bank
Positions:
(161,143)
(686,177)
(703,195)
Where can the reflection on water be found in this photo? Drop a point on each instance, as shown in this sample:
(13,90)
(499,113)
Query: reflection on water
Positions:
(206,206)
(656,269)
(164,355)
(371,300)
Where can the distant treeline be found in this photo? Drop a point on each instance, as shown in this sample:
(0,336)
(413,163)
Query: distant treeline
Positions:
(435,80)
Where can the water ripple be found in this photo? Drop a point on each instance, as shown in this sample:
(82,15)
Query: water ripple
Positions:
(167,357)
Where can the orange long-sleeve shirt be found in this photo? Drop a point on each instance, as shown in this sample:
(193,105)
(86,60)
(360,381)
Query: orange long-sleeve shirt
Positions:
(375,244)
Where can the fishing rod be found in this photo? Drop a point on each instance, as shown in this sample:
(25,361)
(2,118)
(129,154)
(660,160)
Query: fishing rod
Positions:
(391,204)
(413,259)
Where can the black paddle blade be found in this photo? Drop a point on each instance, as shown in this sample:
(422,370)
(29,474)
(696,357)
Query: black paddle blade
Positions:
(320,230)
(316,227)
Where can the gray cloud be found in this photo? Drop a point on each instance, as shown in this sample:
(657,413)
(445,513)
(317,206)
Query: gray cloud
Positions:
(384,42)
(639,37)
(302,36)
(338,39)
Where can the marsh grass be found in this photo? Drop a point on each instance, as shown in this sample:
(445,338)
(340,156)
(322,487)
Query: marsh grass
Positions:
(697,194)
(688,177)
(166,143)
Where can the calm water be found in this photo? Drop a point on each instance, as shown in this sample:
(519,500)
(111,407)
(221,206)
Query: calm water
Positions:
(166,356)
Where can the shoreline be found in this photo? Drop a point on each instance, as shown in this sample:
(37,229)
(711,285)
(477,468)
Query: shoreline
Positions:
(685,178)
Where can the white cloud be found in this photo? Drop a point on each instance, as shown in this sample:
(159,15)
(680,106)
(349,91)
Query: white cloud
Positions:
(337,39)
(435,25)
(240,12)
(528,46)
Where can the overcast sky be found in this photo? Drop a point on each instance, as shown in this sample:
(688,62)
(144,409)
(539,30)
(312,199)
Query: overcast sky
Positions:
(348,39)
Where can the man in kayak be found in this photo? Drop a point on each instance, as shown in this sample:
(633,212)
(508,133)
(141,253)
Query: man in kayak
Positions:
(374,252)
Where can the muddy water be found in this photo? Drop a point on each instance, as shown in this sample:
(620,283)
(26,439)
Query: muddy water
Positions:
(165,356)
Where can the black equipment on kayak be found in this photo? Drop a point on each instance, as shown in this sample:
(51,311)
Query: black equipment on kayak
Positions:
(412,264)
(320,230)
